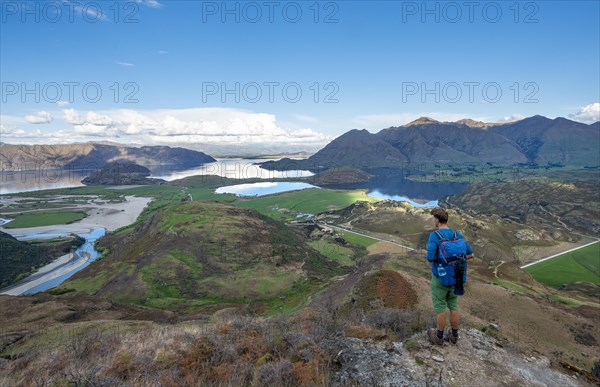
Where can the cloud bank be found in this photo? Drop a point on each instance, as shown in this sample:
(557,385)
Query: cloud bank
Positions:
(588,114)
(39,118)
(221,126)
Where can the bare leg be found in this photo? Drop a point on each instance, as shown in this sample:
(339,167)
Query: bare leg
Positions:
(454,318)
(441,321)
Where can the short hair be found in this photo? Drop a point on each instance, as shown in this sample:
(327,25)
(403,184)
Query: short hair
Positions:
(440,214)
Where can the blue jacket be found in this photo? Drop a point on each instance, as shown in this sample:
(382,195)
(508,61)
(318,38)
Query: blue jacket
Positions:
(434,243)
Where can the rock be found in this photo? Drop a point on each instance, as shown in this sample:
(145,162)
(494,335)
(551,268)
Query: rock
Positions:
(596,369)
(397,347)
(363,362)
(439,359)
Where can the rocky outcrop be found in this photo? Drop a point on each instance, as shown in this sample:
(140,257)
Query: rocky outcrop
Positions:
(476,360)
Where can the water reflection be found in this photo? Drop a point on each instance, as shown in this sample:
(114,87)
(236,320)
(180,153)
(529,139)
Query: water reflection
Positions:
(261,189)
(231,168)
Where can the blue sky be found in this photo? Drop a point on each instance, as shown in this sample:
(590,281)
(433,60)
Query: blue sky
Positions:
(369,62)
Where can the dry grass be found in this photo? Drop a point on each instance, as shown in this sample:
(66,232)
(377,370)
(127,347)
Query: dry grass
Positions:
(238,351)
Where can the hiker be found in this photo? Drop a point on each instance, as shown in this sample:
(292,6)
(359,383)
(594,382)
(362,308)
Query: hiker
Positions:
(445,296)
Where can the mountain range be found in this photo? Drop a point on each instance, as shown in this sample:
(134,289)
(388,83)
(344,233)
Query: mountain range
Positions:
(95,155)
(534,140)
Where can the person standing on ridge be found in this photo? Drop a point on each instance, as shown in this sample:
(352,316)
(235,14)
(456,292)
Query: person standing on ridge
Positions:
(443,296)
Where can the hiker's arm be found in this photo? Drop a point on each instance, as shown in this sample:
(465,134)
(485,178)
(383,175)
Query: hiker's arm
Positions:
(431,249)
(470,252)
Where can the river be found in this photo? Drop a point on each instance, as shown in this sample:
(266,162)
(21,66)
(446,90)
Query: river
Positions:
(58,271)
(103,218)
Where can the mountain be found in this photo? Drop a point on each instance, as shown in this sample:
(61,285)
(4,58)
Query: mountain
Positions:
(537,140)
(450,141)
(558,141)
(95,155)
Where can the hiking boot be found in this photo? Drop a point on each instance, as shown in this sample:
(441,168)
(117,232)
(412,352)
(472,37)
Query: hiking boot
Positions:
(450,337)
(433,338)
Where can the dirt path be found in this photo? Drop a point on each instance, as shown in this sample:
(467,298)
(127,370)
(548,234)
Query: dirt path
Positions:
(496,269)
(556,216)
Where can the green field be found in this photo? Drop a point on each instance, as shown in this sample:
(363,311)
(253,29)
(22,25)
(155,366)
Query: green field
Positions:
(286,205)
(36,219)
(355,239)
(343,255)
(580,265)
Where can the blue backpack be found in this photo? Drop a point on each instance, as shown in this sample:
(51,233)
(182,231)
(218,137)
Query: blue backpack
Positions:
(452,257)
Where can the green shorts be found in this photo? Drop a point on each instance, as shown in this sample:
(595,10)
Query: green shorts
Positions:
(442,296)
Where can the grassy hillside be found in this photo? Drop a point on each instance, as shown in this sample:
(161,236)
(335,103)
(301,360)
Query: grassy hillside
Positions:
(197,254)
(313,201)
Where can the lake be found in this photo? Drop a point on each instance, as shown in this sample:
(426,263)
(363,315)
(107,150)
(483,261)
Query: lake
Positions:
(418,194)
(235,168)
(261,189)
(399,198)
(36,180)
(41,179)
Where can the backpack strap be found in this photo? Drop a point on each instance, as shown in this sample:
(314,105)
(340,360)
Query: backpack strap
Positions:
(454,236)
(439,235)
(441,239)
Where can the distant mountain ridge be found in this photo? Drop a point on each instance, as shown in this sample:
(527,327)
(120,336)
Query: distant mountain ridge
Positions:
(95,155)
(536,140)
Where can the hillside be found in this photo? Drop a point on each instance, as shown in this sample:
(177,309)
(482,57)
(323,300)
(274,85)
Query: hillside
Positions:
(552,205)
(338,176)
(120,173)
(78,339)
(220,295)
(95,155)
(538,140)
(200,255)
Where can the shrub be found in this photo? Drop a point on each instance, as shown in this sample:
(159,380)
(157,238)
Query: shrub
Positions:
(277,373)
(402,323)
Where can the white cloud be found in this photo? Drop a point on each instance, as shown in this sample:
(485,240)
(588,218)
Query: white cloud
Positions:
(305,118)
(381,121)
(588,114)
(125,64)
(92,12)
(71,116)
(42,117)
(150,3)
(18,133)
(62,104)
(511,118)
(163,52)
(196,125)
